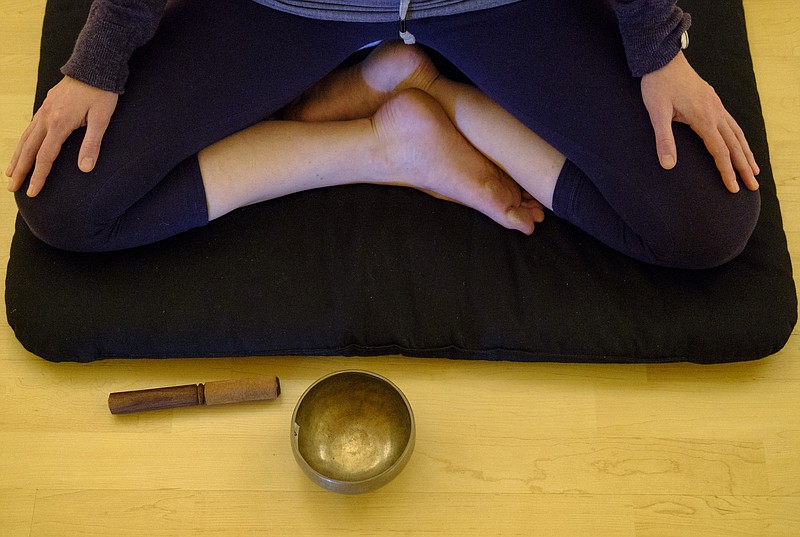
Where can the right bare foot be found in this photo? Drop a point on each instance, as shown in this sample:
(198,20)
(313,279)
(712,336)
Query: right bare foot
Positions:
(423,149)
(358,91)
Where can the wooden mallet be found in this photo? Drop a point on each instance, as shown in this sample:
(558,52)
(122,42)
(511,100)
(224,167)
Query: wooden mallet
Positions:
(217,392)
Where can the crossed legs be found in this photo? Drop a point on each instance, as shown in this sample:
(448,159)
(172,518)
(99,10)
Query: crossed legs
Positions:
(392,68)
(391,120)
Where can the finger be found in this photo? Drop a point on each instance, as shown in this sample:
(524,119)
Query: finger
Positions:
(738,157)
(715,144)
(748,153)
(96,126)
(48,152)
(661,119)
(20,145)
(26,158)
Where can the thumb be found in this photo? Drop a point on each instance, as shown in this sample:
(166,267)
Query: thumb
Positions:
(96,125)
(661,119)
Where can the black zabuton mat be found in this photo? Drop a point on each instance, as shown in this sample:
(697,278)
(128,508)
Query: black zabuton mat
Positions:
(382,270)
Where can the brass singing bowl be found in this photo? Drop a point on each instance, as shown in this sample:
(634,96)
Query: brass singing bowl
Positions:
(352,432)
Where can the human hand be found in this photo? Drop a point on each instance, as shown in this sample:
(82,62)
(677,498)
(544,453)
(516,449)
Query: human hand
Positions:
(677,93)
(70,104)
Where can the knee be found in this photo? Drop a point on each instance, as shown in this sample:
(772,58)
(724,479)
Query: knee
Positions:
(711,237)
(59,221)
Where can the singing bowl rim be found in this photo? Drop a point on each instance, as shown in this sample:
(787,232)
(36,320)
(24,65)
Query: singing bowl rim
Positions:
(358,486)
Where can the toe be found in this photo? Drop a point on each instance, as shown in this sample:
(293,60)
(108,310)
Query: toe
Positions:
(520,219)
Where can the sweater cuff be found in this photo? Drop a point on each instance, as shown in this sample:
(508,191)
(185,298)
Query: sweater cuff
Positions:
(652,37)
(101,55)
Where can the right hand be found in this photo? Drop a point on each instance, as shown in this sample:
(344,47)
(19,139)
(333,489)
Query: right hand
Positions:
(677,93)
(69,105)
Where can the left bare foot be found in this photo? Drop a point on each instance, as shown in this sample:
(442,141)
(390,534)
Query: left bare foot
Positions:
(358,91)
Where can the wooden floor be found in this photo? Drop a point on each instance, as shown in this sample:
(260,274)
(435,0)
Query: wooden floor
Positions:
(503,449)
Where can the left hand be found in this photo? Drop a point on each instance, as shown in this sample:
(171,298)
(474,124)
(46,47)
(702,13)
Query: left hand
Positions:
(677,93)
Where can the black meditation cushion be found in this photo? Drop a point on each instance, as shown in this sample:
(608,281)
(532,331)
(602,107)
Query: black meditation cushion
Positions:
(370,270)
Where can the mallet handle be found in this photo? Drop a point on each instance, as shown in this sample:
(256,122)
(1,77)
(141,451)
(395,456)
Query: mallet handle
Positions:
(156,399)
(212,393)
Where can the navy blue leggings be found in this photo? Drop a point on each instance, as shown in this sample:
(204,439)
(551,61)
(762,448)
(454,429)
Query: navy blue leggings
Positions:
(557,65)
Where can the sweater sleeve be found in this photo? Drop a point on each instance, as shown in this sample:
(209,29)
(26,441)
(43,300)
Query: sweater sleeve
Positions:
(651,32)
(113,30)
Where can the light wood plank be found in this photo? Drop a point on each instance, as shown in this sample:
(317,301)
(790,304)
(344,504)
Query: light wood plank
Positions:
(165,513)
(722,516)
(783,456)
(594,465)
(16,511)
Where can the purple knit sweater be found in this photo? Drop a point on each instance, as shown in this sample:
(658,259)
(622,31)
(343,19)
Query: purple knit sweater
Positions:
(651,32)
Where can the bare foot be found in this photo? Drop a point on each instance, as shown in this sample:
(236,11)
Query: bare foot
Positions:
(424,150)
(358,91)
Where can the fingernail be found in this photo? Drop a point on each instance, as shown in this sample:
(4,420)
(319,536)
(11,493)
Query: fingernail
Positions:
(667,162)
(87,164)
